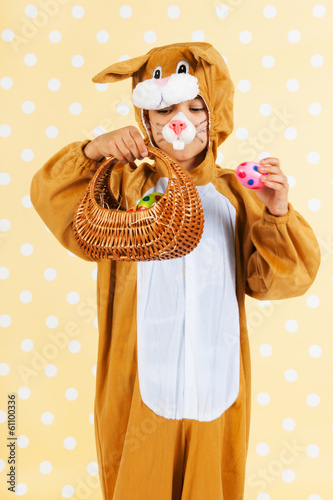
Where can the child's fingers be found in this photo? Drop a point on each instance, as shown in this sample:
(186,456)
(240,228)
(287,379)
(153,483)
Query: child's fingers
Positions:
(275,162)
(275,181)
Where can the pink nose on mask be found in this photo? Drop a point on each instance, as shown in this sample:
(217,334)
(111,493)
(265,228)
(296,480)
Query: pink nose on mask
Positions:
(160,82)
(177,126)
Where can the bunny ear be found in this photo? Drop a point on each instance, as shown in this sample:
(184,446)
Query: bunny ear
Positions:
(121,70)
(206,52)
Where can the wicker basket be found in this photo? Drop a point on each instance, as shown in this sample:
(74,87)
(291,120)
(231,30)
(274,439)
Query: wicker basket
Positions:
(169,229)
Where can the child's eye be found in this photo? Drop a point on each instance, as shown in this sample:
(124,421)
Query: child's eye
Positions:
(197,109)
(163,111)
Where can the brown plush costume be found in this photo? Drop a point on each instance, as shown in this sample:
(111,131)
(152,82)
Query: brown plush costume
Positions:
(172,406)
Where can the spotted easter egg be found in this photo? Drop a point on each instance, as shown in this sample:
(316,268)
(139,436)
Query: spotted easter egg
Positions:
(149,200)
(248,175)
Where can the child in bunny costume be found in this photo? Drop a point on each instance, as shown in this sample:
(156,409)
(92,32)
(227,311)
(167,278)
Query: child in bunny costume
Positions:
(172,405)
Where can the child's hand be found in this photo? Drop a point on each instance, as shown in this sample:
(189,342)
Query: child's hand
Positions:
(126,144)
(275,192)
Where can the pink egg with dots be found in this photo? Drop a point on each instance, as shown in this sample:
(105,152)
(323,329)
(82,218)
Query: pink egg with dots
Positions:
(248,175)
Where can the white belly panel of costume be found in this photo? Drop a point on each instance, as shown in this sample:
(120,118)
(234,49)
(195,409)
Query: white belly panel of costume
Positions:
(188,321)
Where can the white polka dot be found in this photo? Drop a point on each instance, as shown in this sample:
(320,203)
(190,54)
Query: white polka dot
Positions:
(263,398)
(94,370)
(45,467)
(263,496)
(294,36)
(4,369)
(71,394)
(50,370)
(30,59)
(290,375)
(26,201)
(92,468)
(290,133)
(102,36)
(71,254)
(288,476)
(50,274)
(314,497)
(73,297)
(266,109)
(313,301)
(68,491)
(317,60)
(74,346)
(26,296)
(313,157)
(2,463)
(270,11)
(222,11)
(99,131)
(4,178)
(31,11)
(94,274)
(312,451)
(21,489)
(242,133)
(292,85)
(291,325)
(69,443)
(244,85)
(27,249)
(28,107)
(5,131)
(315,351)
(245,36)
(125,11)
(288,424)
(173,12)
(291,181)
(220,157)
(123,109)
(77,61)
(47,418)
(314,109)
(5,320)
(78,11)
(263,303)
(268,61)
(95,322)
(54,84)
(124,57)
(8,35)
(27,155)
(101,86)
(52,322)
(55,36)
(91,418)
(198,36)
(23,441)
(313,400)
(150,36)
(51,132)
(24,393)
(319,10)
(262,449)
(27,345)
(75,108)
(4,225)
(314,204)
(4,273)
(6,83)
(265,350)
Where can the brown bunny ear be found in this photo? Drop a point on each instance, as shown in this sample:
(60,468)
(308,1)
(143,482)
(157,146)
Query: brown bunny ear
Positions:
(121,70)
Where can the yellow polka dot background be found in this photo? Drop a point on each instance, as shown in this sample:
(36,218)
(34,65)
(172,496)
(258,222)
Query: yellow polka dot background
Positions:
(280,58)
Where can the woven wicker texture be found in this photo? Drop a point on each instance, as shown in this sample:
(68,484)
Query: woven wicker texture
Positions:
(169,229)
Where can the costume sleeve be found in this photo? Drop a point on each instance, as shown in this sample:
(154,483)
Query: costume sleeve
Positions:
(285,256)
(57,188)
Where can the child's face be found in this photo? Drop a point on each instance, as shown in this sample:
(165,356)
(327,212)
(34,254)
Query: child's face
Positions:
(196,113)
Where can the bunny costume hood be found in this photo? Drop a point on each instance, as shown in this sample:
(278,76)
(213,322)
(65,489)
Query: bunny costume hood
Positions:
(176,73)
(173,381)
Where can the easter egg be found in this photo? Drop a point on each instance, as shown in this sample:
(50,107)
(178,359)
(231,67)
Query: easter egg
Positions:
(248,175)
(149,200)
